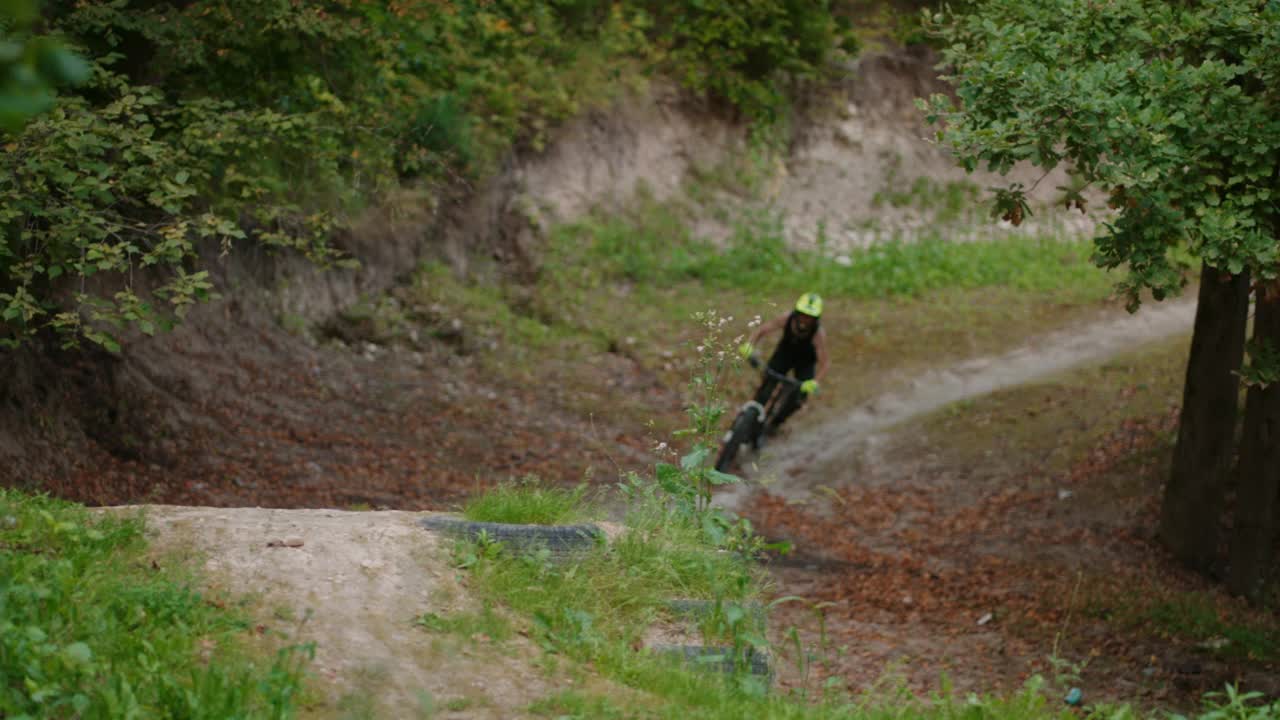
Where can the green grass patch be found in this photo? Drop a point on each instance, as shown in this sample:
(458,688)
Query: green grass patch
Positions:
(92,628)
(1215,625)
(571,705)
(653,245)
(619,589)
(529,502)
(469,624)
(1197,617)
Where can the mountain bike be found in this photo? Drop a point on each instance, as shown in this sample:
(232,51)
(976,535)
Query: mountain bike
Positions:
(755,421)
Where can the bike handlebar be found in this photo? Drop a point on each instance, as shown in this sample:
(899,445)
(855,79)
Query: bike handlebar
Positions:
(780,377)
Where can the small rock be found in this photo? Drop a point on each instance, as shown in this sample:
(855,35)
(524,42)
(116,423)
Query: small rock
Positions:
(1216,643)
(843,260)
(1190,667)
(1064,494)
(293,542)
(986,618)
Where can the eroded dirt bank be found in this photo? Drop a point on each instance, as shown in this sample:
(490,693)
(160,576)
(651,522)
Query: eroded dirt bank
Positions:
(249,402)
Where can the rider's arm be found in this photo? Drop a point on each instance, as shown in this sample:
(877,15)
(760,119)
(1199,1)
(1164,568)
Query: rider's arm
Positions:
(820,347)
(771,326)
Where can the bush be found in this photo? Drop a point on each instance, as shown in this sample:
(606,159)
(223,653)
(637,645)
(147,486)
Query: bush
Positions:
(230,122)
(745,51)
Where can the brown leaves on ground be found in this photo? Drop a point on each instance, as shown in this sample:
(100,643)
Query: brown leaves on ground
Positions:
(944,570)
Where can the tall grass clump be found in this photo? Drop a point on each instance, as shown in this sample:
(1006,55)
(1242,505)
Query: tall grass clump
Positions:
(90,627)
(529,501)
(598,608)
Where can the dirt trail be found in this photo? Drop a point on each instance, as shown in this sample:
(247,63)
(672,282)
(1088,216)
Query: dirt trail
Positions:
(797,465)
(355,582)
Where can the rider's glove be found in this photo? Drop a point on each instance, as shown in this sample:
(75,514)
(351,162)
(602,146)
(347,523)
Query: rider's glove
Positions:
(809,387)
(745,350)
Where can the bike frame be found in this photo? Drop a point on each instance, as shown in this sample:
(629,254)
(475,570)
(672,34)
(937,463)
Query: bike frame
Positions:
(787,386)
(761,416)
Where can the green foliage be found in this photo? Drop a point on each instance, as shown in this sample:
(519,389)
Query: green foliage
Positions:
(1263,366)
(31,67)
(1168,107)
(742,51)
(218,123)
(89,629)
(528,502)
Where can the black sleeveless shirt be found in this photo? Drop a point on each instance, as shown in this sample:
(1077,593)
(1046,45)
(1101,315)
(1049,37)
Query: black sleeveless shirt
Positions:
(798,348)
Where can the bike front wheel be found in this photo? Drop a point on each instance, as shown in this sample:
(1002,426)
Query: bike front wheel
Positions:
(737,435)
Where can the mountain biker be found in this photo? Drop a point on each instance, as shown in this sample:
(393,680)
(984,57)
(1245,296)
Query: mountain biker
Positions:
(802,349)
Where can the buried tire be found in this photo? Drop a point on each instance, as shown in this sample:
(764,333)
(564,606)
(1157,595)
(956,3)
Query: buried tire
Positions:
(699,610)
(559,539)
(721,659)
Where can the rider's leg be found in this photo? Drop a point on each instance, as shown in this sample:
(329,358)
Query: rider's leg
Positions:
(766,389)
(778,363)
(804,372)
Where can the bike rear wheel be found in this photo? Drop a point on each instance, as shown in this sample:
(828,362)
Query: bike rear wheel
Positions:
(738,434)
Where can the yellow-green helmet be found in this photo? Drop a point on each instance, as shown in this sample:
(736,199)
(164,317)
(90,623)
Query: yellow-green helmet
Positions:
(810,304)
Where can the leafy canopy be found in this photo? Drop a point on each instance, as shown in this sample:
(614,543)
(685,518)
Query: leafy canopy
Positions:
(1171,108)
(217,124)
(31,66)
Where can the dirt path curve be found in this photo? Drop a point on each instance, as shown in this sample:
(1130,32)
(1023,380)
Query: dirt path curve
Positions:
(834,441)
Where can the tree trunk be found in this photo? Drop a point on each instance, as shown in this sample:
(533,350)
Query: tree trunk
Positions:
(1202,458)
(1254,533)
